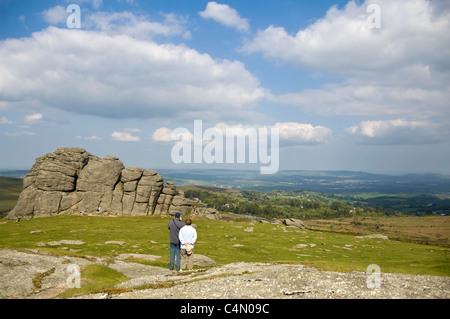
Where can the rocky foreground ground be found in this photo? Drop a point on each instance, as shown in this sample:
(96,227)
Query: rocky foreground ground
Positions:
(32,274)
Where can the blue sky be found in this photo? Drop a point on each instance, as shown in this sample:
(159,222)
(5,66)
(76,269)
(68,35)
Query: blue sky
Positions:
(345,93)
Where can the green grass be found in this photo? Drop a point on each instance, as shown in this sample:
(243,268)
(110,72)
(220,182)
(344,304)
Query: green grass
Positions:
(225,242)
(96,279)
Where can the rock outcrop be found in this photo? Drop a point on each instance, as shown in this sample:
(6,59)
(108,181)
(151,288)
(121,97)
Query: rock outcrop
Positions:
(294,223)
(71,180)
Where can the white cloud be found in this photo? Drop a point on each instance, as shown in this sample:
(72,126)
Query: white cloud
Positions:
(5,121)
(34,118)
(398,131)
(19,133)
(299,133)
(93,73)
(162,134)
(343,43)
(40,119)
(125,136)
(165,135)
(139,27)
(398,71)
(225,15)
(56,15)
(122,23)
(290,133)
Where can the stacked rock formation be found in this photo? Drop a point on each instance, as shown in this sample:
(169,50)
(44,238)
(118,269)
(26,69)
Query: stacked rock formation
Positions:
(71,180)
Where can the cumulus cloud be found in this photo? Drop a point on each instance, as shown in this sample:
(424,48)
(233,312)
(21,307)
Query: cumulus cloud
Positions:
(400,70)
(88,72)
(41,119)
(126,135)
(290,133)
(162,134)
(398,131)
(299,133)
(139,27)
(225,15)
(122,23)
(344,43)
(56,15)
(34,118)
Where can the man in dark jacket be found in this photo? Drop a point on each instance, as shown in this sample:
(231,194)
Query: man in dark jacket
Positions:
(174,227)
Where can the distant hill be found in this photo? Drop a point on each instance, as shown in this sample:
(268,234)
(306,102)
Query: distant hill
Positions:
(342,182)
(10,189)
(412,194)
(13,173)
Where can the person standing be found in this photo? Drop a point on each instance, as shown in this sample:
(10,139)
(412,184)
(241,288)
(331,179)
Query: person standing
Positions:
(187,236)
(174,227)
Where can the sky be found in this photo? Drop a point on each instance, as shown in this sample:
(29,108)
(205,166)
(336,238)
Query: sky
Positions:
(349,85)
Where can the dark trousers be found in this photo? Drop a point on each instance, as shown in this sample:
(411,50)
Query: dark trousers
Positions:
(175,252)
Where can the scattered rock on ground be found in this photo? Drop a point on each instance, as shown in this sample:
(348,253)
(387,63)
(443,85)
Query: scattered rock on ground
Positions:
(115,242)
(280,281)
(203,261)
(138,256)
(66,242)
(375,236)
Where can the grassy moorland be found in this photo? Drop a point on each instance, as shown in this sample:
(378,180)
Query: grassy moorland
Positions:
(431,230)
(417,245)
(225,242)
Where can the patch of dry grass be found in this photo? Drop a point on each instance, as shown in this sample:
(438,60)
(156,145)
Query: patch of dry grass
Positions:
(433,230)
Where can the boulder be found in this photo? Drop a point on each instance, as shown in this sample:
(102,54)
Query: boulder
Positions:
(131,174)
(100,175)
(181,205)
(203,261)
(294,223)
(165,199)
(55,177)
(209,213)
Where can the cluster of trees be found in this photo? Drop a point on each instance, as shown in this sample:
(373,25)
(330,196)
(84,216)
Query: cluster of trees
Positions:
(260,204)
(212,199)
